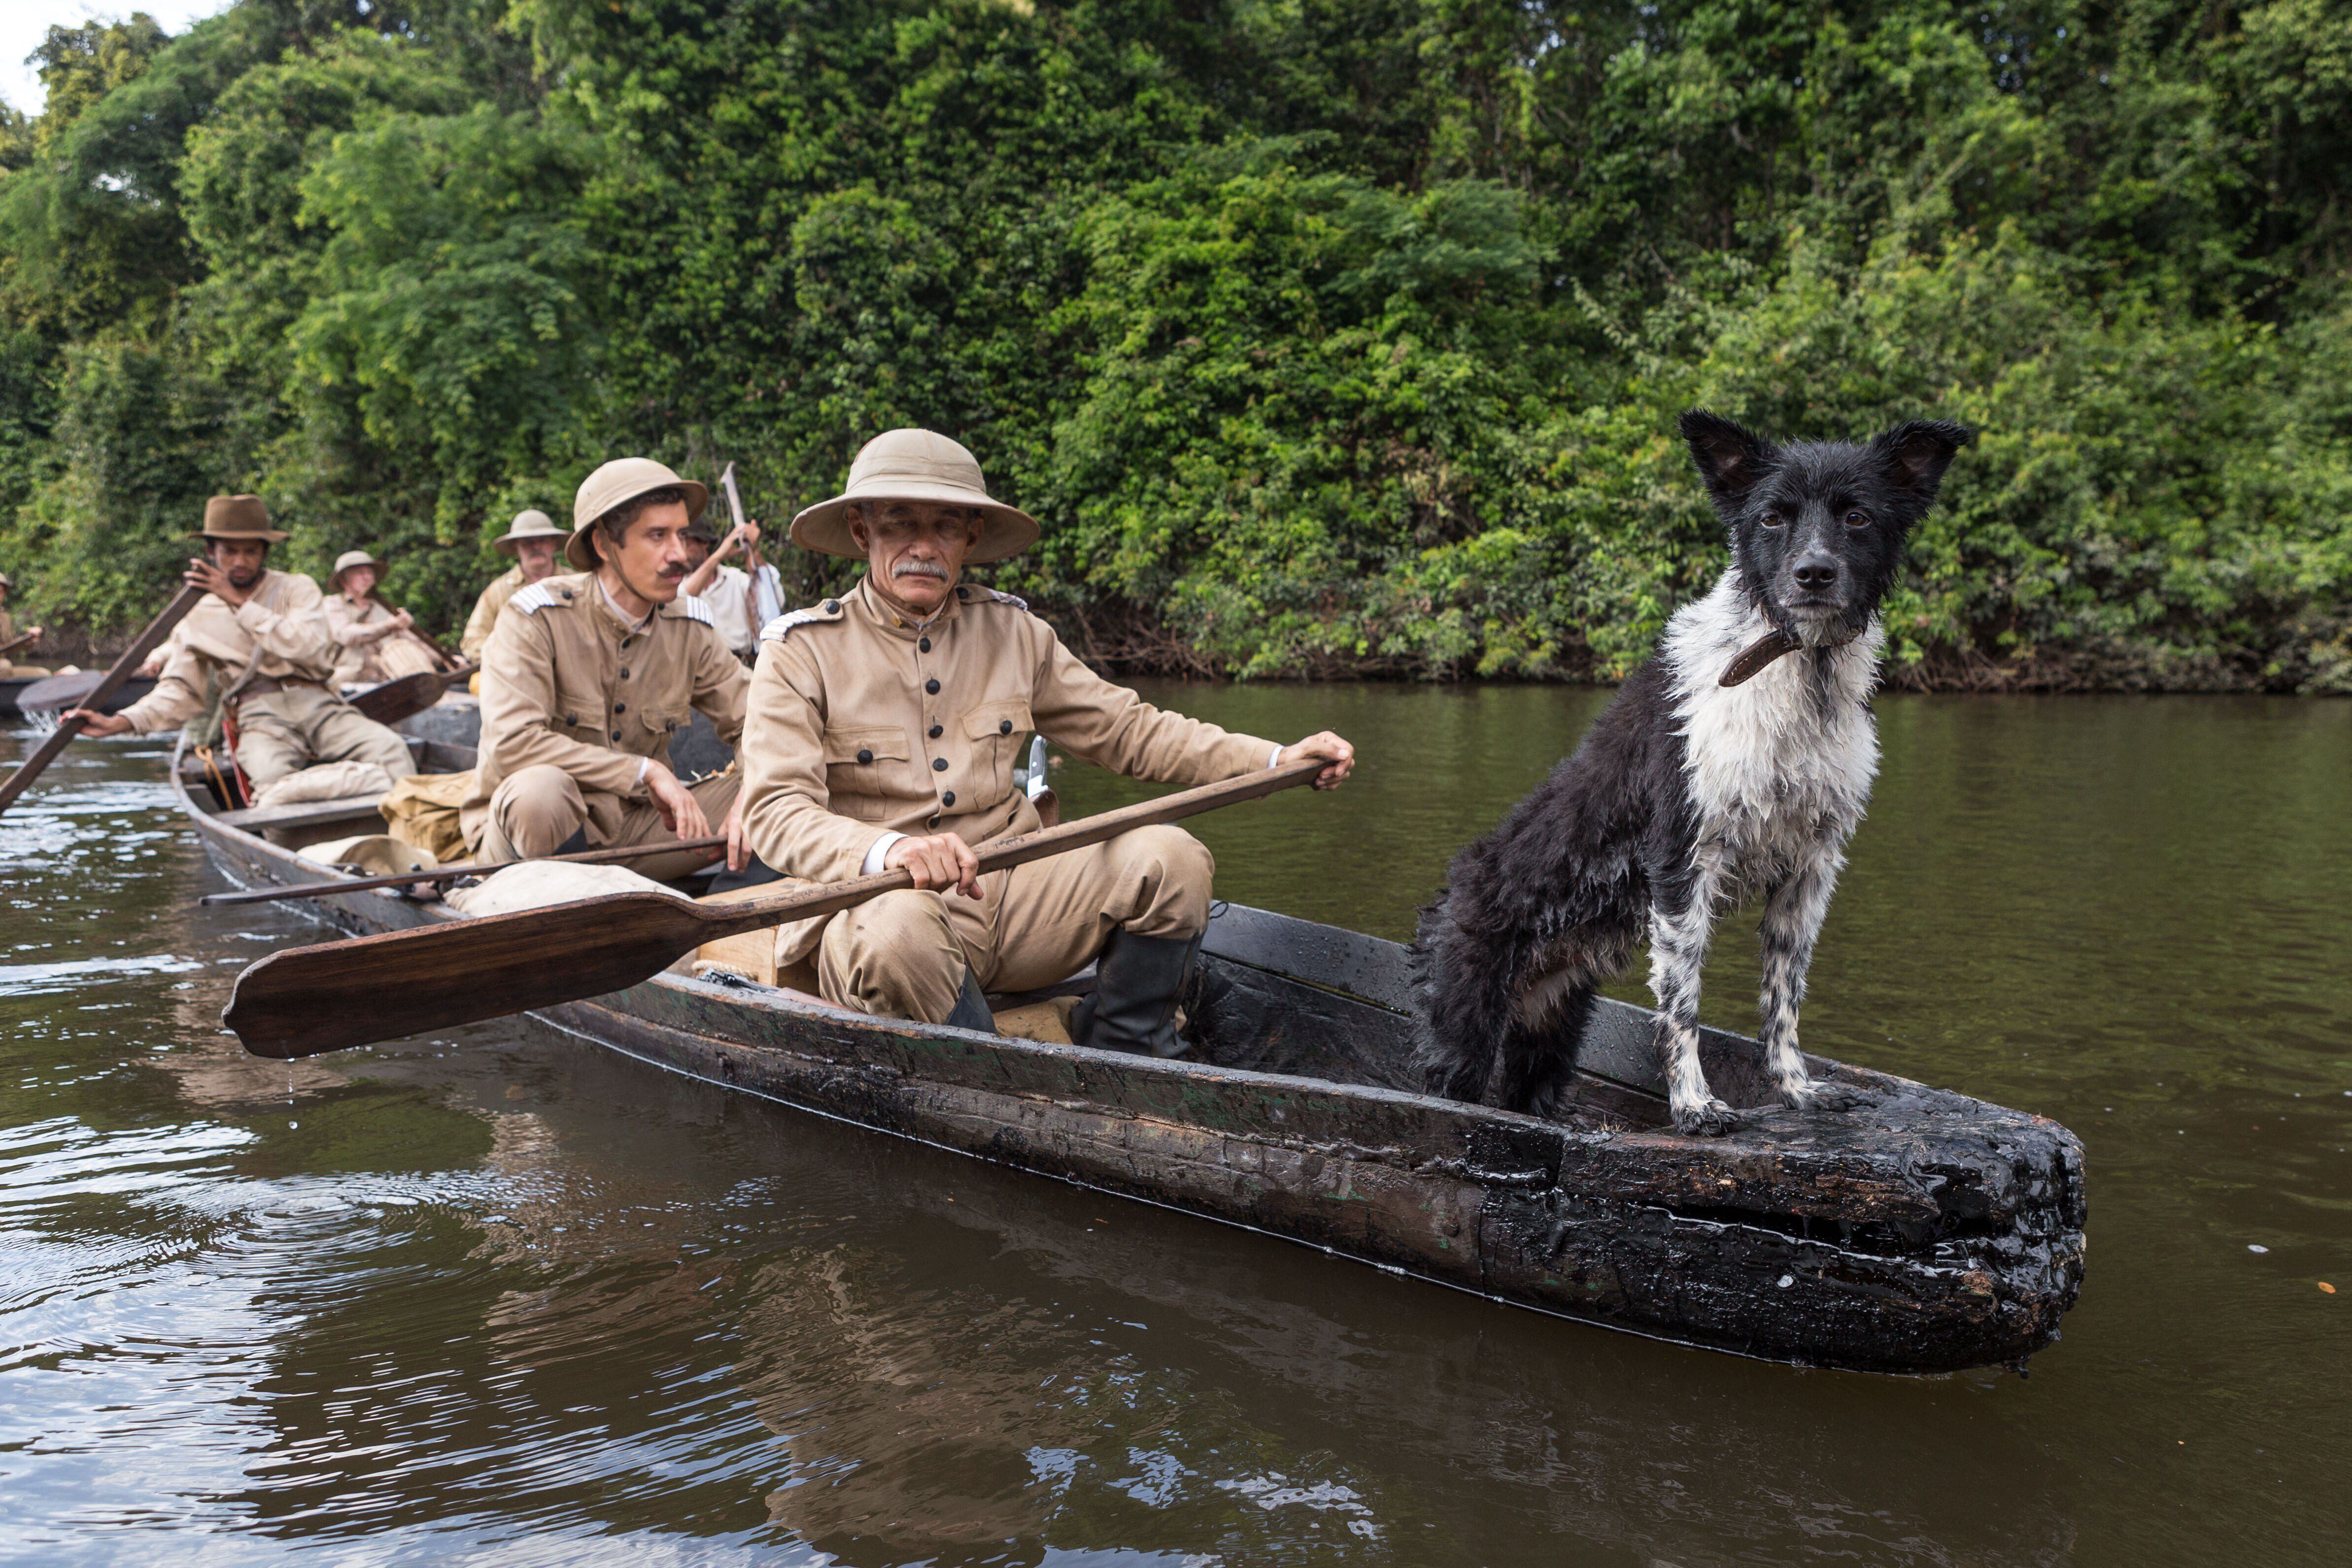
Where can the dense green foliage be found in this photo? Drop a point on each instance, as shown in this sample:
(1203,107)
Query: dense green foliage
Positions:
(1323,338)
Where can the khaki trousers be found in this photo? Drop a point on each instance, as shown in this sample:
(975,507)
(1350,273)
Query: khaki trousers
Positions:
(532,813)
(288,730)
(903,954)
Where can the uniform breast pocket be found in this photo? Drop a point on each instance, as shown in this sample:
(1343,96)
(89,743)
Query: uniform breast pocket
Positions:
(865,769)
(993,732)
(582,716)
(659,729)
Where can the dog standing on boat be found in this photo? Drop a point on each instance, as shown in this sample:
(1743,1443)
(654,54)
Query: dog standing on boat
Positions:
(1736,761)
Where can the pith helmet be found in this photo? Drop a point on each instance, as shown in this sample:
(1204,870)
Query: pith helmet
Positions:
(529,523)
(349,559)
(6,581)
(616,484)
(915,465)
(239,517)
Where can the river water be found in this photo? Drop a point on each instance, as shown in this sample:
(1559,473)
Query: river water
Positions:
(501,1296)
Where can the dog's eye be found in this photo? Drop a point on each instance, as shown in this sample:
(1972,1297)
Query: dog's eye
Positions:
(1857,519)
(1776,519)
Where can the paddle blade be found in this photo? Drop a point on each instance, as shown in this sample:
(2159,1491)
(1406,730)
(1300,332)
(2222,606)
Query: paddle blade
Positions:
(337,995)
(398,699)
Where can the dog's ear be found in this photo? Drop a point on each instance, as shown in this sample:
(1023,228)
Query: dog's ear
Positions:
(1730,458)
(1914,456)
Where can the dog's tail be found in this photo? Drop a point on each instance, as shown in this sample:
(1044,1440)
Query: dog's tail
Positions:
(1465,989)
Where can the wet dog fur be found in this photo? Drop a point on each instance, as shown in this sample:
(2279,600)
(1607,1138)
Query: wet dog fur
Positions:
(1688,797)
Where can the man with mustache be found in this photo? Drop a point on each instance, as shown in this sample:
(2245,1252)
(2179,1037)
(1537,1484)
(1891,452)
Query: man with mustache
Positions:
(260,638)
(586,677)
(883,728)
(534,541)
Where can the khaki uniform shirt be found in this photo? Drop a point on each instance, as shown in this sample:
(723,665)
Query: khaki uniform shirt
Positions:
(282,620)
(567,683)
(359,658)
(485,618)
(864,723)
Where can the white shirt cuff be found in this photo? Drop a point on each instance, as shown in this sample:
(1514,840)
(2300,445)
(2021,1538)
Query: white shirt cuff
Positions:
(1275,761)
(874,855)
(641,776)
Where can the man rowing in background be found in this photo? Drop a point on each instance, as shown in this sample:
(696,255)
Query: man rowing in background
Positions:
(882,732)
(588,674)
(377,642)
(261,638)
(534,541)
(8,636)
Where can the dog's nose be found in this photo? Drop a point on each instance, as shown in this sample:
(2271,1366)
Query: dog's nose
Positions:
(1816,569)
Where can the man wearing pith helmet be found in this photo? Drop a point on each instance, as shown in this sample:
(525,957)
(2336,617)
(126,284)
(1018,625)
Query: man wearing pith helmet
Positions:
(882,733)
(259,638)
(536,543)
(588,674)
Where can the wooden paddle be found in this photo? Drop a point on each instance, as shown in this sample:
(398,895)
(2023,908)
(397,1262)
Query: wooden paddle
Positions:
(337,995)
(20,640)
(411,694)
(451,873)
(145,643)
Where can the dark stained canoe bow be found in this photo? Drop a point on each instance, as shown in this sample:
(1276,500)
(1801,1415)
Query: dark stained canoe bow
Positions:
(1926,1233)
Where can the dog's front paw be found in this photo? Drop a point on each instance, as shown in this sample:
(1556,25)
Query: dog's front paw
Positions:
(1704,1118)
(1819,1094)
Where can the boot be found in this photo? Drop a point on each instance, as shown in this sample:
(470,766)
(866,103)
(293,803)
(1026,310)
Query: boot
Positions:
(971,1008)
(1137,982)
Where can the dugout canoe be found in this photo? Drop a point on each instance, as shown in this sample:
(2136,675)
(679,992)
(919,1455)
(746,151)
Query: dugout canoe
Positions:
(1927,1233)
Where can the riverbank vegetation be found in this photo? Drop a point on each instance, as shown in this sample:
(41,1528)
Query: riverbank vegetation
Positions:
(1325,339)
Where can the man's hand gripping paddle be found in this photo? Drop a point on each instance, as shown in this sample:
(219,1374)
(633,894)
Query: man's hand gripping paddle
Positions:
(337,995)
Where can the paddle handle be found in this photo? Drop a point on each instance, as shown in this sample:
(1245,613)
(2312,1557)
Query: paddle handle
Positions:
(451,873)
(831,898)
(146,642)
(13,644)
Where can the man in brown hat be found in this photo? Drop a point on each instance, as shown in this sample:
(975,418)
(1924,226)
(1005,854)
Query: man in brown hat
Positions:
(262,638)
(8,636)
(882,732)
(534,541)
(378,643)
(587,676)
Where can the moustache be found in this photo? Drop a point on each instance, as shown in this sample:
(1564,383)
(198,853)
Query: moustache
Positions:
(918,569)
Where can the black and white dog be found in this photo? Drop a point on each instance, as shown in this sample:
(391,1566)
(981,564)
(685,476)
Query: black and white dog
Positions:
(1737,761)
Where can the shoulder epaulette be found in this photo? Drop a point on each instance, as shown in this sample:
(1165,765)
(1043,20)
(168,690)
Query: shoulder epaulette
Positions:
(781,626)
(531,600)
(973,595)
(688,606)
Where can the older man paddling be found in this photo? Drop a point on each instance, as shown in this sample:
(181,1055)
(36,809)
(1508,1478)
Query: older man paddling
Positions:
(587,676)
(881,734)
(260,639)
(535,542)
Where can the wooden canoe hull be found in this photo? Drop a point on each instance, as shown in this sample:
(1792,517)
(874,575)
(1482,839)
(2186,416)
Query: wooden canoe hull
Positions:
(1927,1233)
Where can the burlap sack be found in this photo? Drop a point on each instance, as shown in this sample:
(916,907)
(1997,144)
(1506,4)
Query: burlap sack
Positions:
(422,809)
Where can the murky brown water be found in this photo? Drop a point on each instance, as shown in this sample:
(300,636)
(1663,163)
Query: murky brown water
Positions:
(506,1296)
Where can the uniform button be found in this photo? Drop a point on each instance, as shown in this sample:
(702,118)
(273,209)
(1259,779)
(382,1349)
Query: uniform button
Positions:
(865,756)
(939,765)
(571,719)
(832,606)
(964,592)
(935,732)
(947,799)
(620,707)
(925,645)
(625,673)
(932,687)
(1004,726)
(616,734)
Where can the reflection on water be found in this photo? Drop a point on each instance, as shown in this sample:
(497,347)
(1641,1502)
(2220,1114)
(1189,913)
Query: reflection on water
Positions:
(504,1294)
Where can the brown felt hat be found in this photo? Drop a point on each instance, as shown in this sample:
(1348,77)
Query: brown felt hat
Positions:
(529,523)
(616,484)
(239,517)
(915,465)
